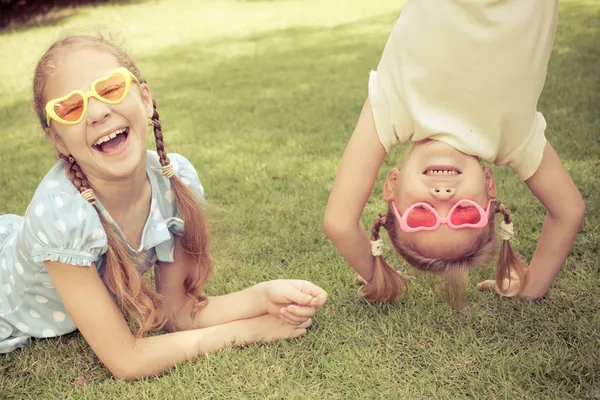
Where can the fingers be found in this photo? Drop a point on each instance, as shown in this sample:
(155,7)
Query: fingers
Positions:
(307,294)
(300,311)
(486,285)
(306,324)
(311,289)
(319,300)
(360,280)
(297,315)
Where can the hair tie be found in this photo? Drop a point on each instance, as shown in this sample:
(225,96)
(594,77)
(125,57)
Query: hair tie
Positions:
(168,171)
(377,247)
(506,230)
(88,195)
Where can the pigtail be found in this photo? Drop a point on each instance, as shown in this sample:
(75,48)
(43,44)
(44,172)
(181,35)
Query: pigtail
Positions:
(387,284)
(121,277)
(195,234)
(509,267)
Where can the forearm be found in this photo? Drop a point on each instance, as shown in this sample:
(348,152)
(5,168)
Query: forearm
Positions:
(354,245)
(244,304)
(556,241)
(152,355)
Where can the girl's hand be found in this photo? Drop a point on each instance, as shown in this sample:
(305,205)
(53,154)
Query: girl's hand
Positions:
(268,328)
(294,301)
(511,287)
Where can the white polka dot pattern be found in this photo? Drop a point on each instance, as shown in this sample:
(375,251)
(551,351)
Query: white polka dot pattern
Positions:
(22,327)
(61,226)
(97,234)
(42,236)
(39,210)
(48,333)
(58,316)
(41,299)
(34,313)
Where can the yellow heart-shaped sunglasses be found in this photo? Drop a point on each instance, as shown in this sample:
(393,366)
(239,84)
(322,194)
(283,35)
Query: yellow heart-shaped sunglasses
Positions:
(111,89)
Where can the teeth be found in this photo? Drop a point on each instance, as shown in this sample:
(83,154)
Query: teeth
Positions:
(112,135)
(441,172)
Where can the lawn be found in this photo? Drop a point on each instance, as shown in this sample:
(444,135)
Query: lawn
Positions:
(262,97)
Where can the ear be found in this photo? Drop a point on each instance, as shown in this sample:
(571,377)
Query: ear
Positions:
(147,100)
(389,187)
(490,183)
(57,141)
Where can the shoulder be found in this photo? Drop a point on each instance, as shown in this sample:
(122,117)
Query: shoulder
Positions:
(184,170)
(55,182)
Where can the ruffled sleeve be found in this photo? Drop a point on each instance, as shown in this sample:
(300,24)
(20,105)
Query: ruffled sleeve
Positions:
(64,227)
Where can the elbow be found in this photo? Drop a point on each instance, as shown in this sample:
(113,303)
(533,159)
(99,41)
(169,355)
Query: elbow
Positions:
(334,227)
(125,372)
(579,211)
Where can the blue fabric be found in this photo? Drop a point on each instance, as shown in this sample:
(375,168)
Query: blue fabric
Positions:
(59,225)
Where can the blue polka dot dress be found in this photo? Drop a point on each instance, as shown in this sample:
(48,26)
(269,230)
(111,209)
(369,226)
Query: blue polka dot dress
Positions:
(59,225)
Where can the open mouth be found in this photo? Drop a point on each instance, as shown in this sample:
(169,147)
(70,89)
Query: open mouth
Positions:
(441,171)
(113,142)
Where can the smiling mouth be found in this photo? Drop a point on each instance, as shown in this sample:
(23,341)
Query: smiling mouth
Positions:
(441,171)
(112,142)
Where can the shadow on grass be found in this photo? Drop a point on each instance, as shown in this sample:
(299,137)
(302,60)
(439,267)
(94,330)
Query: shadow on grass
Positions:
(25,15)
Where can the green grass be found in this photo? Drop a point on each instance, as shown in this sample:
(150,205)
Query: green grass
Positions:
(262,97)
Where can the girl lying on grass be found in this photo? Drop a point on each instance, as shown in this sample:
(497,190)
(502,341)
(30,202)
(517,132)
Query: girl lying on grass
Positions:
(461,80)
(109,211)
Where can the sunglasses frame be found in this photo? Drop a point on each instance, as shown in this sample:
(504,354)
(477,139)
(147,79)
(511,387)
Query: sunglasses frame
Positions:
(51,114)
(442,220)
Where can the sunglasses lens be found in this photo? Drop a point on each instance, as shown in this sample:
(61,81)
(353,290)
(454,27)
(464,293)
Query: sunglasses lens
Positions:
(421,217)
(465,213)
(70,109)
(112,88)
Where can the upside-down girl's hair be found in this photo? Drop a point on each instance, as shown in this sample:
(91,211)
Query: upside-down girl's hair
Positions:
(142,304)
(388,284)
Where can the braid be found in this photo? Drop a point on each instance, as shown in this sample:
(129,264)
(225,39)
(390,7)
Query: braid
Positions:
(503,209)
(378,222)
(387,284)
(194,240)
(74,173)
(509,267)
(160,144)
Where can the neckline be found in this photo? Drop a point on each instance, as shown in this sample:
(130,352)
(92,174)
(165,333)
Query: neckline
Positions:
(117,229)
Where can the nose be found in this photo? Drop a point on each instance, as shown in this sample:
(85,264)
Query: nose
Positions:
(441,192)
(97,111)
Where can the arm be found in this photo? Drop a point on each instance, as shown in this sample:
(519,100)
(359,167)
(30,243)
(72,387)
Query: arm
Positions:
(97,317)
(231,307)
(272,297)
(353,184)
(555,189)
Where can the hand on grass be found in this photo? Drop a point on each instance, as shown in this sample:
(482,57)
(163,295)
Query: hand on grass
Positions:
(293,301)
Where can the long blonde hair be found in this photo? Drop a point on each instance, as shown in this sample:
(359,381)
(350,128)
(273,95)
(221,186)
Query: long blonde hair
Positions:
(142,304)
(388,284)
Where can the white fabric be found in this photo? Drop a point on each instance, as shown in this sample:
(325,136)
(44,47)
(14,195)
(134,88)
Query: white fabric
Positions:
(468,73)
